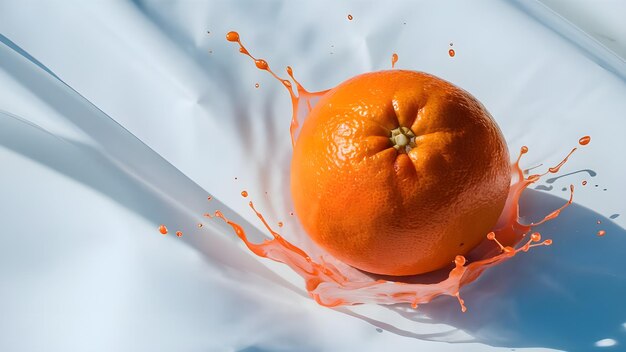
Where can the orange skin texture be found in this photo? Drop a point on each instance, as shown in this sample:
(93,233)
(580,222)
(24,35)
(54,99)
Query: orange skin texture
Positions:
(394,212)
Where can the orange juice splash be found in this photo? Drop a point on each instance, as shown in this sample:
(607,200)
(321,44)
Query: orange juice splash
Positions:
(332,283)
(296,96)
(394,59)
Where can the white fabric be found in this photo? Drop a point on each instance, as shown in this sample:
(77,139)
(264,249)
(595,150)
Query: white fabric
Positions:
(117,116)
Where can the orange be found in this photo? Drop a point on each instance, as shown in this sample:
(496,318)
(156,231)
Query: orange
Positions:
(397,172)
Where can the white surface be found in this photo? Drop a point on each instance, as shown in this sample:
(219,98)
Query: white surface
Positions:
(81,262)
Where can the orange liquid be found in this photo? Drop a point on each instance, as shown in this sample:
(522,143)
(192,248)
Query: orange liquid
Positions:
(451,52)
(350,17)
(163,230)
(394,59)
(332,283)
(584,140)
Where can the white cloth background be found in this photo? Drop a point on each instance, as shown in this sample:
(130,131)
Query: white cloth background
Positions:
(118,116)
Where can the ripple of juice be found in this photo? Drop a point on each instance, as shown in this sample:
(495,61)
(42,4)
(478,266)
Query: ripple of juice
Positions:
(332,283)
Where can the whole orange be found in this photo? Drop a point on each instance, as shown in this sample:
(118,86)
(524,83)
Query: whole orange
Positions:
(397,172)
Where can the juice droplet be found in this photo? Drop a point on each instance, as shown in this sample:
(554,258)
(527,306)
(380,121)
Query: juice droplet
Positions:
(535,237)
(232,36)
(556,169)
(350,17)
(459,260)
(280,224)
(291,213)
(584,140)
(200,225)
(209,198)
(394,59)
(244,194)
(451,52)
(163,229)
(584,183)
(207,215)
(601,233)
(524,149)
(256,85)
(261,64)
(179,234)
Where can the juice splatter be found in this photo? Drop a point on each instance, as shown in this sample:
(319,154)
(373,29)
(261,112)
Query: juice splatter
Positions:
(394,59)
(163,230)
(584,183)
(350,17)
(256,85)
(280,224)
(601,233)
(332,283)
(299,96)
(179,234)
(244,194)
(451,52)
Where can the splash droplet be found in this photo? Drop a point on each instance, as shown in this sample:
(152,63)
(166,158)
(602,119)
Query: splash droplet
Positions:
(232,36)
(244,194)
(179,234)
(256,85)
(350,17)
(163,229)
(394,59)
(601,233)
(451,52)
(280,224)
(584,140)
(584,183)
(261,64)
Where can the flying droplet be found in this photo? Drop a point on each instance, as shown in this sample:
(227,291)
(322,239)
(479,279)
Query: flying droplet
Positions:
(584,140)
